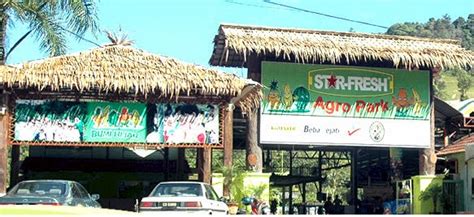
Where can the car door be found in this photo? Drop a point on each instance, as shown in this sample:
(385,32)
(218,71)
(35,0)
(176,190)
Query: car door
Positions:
(216,205)
(86,197)
(77,196)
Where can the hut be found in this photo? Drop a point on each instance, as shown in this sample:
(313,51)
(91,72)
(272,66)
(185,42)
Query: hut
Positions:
(123,97)
(286,58)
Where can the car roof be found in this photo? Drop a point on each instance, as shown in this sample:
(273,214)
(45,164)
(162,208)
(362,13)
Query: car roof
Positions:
(182,182)
(49,180)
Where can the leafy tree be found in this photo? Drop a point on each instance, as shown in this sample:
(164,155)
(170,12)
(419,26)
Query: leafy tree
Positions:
(460,29)
(465,81)
(439,87)
(48,20)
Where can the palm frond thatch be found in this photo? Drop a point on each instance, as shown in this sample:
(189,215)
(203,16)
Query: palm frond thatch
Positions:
(234,43)
(124,69)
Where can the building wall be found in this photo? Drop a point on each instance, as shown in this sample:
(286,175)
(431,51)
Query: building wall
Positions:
(466,175)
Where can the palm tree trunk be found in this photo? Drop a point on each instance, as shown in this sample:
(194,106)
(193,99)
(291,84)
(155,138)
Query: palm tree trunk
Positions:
(3,30)
(3,130)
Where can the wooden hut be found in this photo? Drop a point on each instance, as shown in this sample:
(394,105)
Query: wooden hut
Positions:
(117,73)
(248,46)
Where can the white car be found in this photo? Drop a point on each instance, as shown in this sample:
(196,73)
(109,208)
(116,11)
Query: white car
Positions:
(185,197)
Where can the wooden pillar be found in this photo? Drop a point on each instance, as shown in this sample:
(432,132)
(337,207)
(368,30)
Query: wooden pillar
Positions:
(167,164)
(4,120)
(204,164)
(254,151)
(15,165)
(181,164)
(228,145)
(427,156)
(199,164)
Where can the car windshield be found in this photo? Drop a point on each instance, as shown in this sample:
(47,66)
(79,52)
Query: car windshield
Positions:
(39,188)
(178,190)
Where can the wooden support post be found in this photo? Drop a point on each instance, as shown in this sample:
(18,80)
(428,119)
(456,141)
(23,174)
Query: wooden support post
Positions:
(199,164)
(167,164)
(206,163)
(15,165)
(4,120)
(254,151)
(427,156)
(228,145)
(181,164)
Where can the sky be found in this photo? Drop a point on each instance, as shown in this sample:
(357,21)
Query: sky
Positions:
(184,29)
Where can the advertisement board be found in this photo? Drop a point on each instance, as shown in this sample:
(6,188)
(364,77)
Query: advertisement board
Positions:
(118,122)
(340,105)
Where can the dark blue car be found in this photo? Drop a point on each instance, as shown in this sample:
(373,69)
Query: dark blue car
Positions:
(50,192)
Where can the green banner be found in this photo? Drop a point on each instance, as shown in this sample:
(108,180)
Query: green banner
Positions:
(55,121)
(343,91)
(115,122)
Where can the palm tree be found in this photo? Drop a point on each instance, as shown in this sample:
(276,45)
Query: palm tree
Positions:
(48,20)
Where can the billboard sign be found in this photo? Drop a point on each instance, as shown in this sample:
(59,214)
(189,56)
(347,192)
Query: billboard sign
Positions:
(341,105)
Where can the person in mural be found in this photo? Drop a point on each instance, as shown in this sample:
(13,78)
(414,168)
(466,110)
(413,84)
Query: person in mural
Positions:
(79,125)
(124,117)
(135,118)
(209,126)
(96,116)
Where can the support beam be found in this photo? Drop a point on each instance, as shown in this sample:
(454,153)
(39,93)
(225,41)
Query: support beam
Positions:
(167,163)
(206,163)
(427,156)
(228,145)
(254,151)
(15,165)
(4,120)
(181,164)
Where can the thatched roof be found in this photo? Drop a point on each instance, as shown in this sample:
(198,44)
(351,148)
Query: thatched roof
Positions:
(123,69)
(234,43)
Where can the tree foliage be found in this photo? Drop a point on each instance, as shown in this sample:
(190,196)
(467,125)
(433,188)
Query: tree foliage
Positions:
(460,29)
(50,20)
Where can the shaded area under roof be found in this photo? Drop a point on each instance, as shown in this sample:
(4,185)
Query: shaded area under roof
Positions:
(235,43)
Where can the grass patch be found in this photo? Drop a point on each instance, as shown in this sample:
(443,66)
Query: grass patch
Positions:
(451,90)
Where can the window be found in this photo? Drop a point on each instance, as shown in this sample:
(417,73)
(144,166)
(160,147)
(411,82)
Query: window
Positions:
(472,186)
(177,190)
(82,191)
(210,193)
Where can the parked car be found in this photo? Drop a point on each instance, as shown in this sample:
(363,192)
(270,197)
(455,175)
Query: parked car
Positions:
(187,197)
(50,192)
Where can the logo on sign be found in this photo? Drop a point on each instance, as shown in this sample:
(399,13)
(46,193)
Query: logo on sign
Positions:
(350,82)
